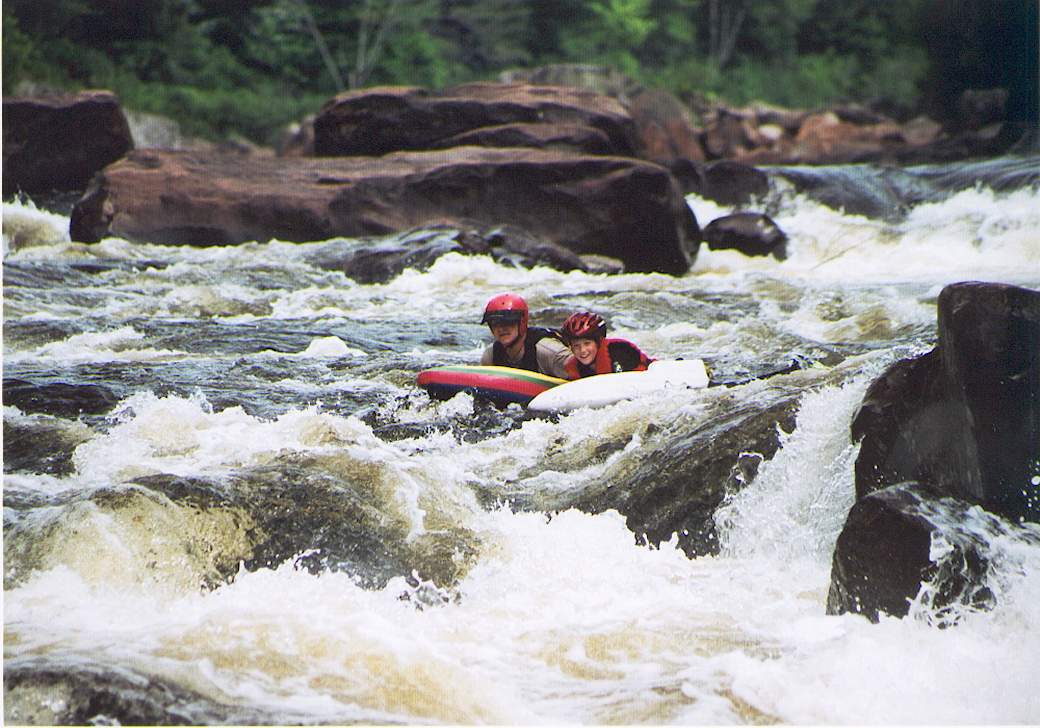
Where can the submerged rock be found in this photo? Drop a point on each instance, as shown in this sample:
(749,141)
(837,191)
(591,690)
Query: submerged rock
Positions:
(50,691)
(42,446)
(58,398)
(380,261)
(613,206)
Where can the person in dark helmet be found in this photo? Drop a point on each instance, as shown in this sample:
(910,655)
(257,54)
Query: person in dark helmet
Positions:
(518,345)
(593,353)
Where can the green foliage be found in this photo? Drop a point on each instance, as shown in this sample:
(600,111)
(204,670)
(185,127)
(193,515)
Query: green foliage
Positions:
(613,35)
(20,53)
(224,113)
(223,66)
(417,58)
(806,82)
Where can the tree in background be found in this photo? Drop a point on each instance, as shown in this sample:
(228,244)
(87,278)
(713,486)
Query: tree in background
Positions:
(983,44)
(224,66)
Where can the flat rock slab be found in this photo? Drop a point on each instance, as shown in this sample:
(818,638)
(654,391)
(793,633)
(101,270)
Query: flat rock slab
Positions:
(614,206)
(376,121)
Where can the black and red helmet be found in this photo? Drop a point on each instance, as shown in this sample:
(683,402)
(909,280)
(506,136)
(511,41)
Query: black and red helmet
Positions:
(584,325)
(506,308)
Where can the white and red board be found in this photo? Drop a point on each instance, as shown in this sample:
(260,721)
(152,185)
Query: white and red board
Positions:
(604,389)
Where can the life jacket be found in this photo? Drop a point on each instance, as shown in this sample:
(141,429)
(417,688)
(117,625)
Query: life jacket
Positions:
(613,355)
(529,360)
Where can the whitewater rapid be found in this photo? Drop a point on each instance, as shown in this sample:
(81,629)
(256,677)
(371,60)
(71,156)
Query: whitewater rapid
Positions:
(226,359)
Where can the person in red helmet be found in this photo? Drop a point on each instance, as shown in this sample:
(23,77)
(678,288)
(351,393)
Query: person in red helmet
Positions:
(518,345)
(593,353)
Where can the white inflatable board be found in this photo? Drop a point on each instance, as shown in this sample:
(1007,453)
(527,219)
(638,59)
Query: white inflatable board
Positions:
(604,389)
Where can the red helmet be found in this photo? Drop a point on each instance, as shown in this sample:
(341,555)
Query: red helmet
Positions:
(584,325)
(506,308)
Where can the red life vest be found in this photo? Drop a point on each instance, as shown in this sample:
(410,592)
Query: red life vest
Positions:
(613,355)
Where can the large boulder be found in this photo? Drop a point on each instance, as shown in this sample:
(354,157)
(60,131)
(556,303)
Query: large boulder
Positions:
(377,121)
(828,138)
(58,142)
(964,418)
(685,470)
(620,207)
(961,425)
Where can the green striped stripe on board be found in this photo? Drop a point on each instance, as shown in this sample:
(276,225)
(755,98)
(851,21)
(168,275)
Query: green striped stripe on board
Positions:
(510,372)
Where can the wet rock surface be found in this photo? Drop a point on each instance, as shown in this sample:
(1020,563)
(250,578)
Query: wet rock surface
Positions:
(751,233)
(58,398)
(684,472)
(962,423)
(964,418)
(380,261)
(907,543)
(42,691)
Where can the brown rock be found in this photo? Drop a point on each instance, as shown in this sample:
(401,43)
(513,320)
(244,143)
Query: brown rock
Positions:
(562,137)
(624,208)
(726,135)
(377,121)
(59,142)
(826,138)
(664,128)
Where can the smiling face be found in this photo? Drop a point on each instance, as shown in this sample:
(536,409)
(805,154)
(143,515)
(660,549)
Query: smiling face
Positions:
(584,350)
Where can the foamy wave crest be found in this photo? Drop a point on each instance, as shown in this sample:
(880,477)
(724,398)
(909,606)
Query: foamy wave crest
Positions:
(25,226)
(184,436)
(122,344)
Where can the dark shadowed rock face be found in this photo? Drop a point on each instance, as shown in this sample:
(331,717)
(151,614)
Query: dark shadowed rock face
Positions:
(965,418)
(59,142)
(43,446)
(962,422)
(752,233)
(377,121)
(618,207)
(883,556)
